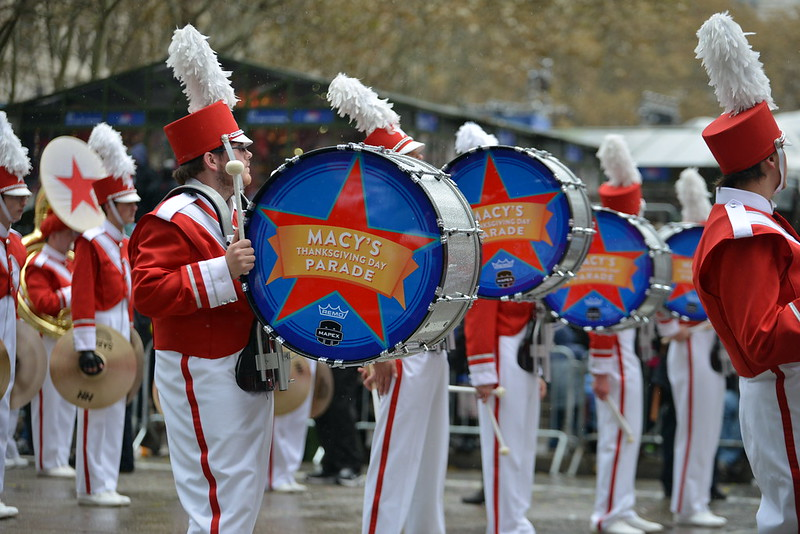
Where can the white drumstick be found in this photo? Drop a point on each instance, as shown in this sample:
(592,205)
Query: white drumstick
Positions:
(621,421)
(376,402)
(235,168)
(499,391)
(504,450)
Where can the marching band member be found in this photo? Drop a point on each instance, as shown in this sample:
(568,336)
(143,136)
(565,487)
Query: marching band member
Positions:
(745,269)
(101,294)
(14,165)
(404,487)
(698,390)
(494,331)
(617,374)
(186,278)
(48,276)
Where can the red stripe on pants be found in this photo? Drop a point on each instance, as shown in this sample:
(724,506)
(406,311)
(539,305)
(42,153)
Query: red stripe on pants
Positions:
(201,443)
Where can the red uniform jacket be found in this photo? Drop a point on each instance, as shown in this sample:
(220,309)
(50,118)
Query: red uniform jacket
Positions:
(15,254)
(747,273)
(100,280)
(484,323)
(48,277)
(181,281)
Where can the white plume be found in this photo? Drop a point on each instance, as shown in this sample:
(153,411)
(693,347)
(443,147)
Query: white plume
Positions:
(734,70)
(13,156)
(617,163)
(107,142)
(195,65)
(470,135)
(353,99)
(693,195)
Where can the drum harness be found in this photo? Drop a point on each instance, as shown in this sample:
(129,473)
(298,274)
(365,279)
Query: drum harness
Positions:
(258,368)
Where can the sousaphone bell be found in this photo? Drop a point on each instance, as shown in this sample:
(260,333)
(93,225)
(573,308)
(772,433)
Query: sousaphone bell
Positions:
(105,388)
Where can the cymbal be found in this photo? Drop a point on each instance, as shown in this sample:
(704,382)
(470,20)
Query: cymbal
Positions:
(31,365)
(323,390)
(299,386)
(106,387)
(138,351)
(5,369)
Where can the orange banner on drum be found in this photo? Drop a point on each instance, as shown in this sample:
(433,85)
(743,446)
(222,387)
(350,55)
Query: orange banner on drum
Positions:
(315,251)
(681,270)
(607,269)
(514,221)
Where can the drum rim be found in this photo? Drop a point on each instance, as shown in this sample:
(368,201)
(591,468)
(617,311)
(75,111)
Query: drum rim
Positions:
(355,148)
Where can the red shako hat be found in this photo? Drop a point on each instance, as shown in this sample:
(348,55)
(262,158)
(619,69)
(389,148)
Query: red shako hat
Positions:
(623,190)
(211,98)
(14,161)
(374,116)
(106,142)
(746,133)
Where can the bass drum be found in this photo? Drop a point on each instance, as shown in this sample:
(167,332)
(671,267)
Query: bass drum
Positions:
(682,239)
(535,216)
(361,254)
(624,280)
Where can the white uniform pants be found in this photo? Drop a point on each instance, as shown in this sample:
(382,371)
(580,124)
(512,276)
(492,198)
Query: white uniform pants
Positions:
(52,421)
(698,393)
(769,413)
(289,439)
(98,445)
(8,334)
(219,438)
(508,479)
(404,488)
(616,456)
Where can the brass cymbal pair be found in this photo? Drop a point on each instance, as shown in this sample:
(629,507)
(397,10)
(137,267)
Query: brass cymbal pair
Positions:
(115,381)
(300,385)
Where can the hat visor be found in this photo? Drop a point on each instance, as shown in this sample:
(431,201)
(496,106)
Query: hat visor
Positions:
(411,147)
(127,198)
(18,192)
(242,138)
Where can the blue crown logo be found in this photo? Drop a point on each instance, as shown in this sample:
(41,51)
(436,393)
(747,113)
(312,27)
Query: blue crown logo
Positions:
(336,313)
(503,264)
(593,301)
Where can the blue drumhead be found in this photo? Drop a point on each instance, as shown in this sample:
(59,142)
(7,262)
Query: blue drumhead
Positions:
(683,301)
(348,254)
(613,279)
(523,212)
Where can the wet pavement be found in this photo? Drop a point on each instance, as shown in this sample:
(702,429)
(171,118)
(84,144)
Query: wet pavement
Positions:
(560,504)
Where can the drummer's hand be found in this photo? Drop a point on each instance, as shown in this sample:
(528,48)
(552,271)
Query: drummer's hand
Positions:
(542,388)
(601,385)
(379,376)
(89,362)
(485,391)
(240,257)
(682,334)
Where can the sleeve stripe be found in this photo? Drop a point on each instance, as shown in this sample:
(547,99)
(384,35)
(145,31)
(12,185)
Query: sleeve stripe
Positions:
(794,309)
(194,286)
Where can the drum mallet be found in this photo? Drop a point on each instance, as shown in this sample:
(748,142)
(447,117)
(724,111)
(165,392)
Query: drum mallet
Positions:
(618,417)
(498,392)
(235,168)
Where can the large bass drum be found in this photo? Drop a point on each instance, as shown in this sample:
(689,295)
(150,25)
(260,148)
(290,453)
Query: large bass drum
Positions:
(682,239)
(361,254)
(624,279)
(535,216)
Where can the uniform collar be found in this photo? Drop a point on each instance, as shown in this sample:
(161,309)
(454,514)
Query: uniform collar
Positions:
(748,198)
(53,253)
(112,231)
